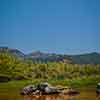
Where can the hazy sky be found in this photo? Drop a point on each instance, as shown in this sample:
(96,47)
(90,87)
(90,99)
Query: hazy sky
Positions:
(60,26)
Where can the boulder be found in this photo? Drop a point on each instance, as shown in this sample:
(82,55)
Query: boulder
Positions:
(45,88)
(28,90)
(98,89)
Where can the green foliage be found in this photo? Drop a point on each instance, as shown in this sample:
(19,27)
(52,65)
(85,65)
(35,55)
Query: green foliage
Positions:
(21,69)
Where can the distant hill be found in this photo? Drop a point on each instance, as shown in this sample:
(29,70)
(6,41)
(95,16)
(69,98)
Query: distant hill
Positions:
(14,52)
(88,58)
(45,57)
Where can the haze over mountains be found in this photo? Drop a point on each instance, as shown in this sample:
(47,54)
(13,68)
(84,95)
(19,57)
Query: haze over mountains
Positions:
(87,58)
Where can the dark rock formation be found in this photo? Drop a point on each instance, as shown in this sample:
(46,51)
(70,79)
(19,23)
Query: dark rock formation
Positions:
(4,79)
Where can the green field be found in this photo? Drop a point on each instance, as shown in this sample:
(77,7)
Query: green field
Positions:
(78,83)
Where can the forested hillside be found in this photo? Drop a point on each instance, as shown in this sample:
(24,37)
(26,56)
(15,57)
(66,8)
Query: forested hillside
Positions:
(19,69)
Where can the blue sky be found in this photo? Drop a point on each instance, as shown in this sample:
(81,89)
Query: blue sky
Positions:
(59,26)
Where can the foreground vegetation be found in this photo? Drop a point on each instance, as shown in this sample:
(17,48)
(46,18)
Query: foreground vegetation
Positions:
(22,72)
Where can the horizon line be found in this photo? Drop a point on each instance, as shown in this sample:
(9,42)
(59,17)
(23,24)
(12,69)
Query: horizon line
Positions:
(48,52)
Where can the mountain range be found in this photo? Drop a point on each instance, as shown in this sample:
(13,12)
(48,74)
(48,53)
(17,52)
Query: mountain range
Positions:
(87,58)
